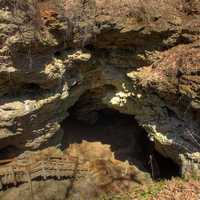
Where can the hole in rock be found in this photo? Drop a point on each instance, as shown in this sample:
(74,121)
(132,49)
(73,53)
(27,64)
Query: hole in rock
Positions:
(58,54)
(89,47)
(31,86)
(127,139)
(9,152)
(166,167)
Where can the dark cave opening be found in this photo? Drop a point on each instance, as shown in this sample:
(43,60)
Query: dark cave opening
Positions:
(127,139)
(167,167)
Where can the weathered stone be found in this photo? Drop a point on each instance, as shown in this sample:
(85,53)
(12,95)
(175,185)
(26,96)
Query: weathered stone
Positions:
(139,57)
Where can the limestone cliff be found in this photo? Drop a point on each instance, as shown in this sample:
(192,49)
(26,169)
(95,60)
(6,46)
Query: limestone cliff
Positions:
(139,57)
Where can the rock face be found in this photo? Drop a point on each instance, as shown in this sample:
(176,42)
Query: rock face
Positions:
(84,173)
(139,57)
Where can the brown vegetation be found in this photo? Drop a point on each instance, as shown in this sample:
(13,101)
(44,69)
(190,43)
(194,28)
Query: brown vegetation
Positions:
(179,190)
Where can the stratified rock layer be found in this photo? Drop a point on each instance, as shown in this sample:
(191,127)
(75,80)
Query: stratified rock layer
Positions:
(139,57)
(87,170)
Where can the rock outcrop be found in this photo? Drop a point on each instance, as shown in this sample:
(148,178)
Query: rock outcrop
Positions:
(139,57)
(85,173)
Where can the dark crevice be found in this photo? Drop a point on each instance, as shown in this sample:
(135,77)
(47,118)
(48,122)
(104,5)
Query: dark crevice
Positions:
(9,152)
(16,90)
(57,54)
(89,47)
(166,167)
(31,86)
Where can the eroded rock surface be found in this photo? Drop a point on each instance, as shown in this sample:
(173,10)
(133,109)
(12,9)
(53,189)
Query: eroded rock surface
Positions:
(138,57)
(83,171)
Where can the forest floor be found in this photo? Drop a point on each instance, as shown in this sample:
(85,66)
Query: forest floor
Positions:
(175,189)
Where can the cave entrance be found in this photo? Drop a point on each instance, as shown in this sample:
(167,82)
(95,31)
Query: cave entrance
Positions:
(127,139)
